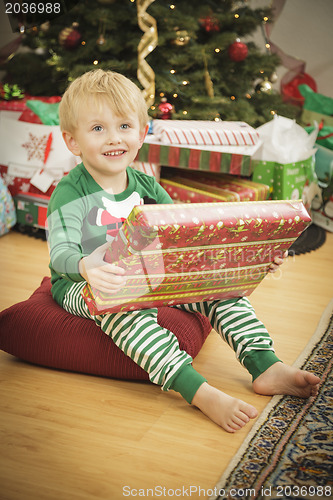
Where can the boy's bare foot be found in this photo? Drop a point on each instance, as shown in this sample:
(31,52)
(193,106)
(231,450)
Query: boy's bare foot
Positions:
(227,412)
(283,379)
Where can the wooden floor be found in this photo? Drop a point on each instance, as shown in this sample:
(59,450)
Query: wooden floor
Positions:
(77,437)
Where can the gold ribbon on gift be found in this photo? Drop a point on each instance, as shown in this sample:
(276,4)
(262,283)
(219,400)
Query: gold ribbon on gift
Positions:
(147,44)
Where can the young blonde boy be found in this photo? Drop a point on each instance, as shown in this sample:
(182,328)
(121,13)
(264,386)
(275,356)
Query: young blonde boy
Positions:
(103,118)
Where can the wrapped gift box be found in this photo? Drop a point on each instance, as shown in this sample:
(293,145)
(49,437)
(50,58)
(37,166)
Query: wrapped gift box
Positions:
(286,181)
(285,160)
(189,188)
(152,169)
(199,132)
(234,160)
(7,209)
(191,252)
(322,204)
(29,148)
(21,104)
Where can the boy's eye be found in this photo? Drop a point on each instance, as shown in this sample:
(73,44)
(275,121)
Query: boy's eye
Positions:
(98,128)
(124,126)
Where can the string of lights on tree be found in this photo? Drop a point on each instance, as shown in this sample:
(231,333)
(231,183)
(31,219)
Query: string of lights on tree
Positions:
(196,63)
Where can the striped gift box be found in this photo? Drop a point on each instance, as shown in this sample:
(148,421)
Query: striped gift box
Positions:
(197,132)
(148,168)
(234,160)
(197,187)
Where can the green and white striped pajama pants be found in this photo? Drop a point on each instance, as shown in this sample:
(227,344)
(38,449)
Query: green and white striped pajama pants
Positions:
(156,349)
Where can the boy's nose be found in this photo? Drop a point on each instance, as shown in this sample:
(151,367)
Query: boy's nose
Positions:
(114,137)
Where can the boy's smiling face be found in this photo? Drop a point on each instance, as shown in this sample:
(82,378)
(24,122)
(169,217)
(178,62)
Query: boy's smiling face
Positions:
(106,142)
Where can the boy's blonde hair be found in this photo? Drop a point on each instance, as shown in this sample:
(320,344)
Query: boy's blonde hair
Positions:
(123,96)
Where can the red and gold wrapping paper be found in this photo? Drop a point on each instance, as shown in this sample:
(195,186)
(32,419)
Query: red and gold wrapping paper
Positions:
(207,188)
(192,252)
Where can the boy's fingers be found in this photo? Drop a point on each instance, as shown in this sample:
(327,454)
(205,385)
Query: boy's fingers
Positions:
(111,268)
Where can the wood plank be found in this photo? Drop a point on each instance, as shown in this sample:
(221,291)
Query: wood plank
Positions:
(78,437)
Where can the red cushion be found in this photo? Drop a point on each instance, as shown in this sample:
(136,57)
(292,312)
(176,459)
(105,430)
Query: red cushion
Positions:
(38,330)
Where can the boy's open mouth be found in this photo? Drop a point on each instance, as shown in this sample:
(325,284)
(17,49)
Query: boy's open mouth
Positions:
(114,153)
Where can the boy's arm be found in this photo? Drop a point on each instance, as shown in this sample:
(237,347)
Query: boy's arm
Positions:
(64,240)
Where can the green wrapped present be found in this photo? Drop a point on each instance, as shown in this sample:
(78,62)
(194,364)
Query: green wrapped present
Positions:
(285,161)
(316,107)
(286,181)
(324,166)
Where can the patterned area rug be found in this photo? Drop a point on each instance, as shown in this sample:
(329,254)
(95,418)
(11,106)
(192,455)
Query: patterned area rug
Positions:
(289,451)
(311,239)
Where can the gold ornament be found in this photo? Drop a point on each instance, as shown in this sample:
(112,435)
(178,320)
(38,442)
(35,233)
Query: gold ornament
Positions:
(263,86)
(100,40)
(147,44)
(208,81)
(266,86)
(45,26)
(182,38)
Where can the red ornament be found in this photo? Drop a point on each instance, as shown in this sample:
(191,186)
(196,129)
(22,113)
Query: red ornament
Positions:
(165,109)
(290,92)
(210,24)
(238,51)
(69,38)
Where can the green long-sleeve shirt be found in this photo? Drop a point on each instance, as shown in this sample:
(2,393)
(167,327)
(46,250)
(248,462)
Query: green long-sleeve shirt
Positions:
(82,217)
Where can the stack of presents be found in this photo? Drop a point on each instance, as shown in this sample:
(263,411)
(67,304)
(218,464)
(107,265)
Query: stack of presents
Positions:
(238,195)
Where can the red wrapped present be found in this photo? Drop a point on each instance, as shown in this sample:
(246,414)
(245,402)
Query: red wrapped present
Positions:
(235,160)
(189,188)
(20,104)
(184,253)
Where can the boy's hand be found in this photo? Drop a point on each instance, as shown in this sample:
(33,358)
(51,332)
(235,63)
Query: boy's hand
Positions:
(99,274)
(277,262)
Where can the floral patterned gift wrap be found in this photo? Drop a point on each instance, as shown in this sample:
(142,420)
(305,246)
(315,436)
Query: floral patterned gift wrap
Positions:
(200,251)
(7,209)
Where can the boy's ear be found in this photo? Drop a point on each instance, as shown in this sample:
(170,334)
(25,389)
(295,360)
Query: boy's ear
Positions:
(144,133)
(71,143)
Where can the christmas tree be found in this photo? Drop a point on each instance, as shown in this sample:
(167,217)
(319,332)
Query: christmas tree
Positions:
(192,62)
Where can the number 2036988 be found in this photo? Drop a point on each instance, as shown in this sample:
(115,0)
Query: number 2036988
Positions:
(304,491)
(33,8)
